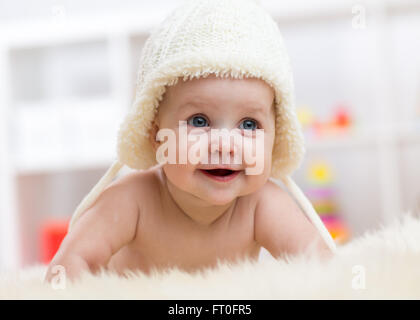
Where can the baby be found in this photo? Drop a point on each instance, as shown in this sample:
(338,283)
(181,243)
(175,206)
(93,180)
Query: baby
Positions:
(199,70)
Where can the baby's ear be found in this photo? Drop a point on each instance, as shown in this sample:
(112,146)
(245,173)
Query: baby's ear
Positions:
(153,133)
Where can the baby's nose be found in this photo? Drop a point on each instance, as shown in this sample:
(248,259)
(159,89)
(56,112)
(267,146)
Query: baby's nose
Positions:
(225,142)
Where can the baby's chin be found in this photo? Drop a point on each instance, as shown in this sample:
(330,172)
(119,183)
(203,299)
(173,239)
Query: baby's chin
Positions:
(216,188)
(218,199)
(218,194)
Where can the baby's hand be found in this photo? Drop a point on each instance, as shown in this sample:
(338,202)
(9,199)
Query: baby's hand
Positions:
(101,231)
(69,267)
(282,228)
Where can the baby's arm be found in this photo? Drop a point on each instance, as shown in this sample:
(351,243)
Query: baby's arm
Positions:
(103,229)
(282,228)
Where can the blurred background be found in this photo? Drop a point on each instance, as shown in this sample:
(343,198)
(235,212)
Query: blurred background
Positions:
(67,76)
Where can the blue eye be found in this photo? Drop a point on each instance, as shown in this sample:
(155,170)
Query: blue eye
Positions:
(198,121)
(248,124)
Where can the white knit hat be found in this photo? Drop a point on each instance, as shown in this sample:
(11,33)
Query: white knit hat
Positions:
(228,38)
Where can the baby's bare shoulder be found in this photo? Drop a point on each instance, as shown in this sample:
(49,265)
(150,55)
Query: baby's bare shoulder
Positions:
(111,222)
(122,195)
(273,201)
(280,224)
(271,192)
(137,184)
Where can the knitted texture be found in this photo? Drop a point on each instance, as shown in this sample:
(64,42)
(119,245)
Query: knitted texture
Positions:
(228,38)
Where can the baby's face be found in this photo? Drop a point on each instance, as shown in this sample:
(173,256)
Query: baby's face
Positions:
(242,106)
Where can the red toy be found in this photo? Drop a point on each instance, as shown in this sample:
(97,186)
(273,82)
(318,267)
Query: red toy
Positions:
(342,117)
(52,234)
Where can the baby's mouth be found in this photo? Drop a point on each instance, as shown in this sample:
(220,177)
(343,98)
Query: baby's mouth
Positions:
(219,172)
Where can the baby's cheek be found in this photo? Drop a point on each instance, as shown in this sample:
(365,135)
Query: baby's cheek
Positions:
(187,145)
(173,175)
(257,153)
(182,151)
(197,148)
(269,144)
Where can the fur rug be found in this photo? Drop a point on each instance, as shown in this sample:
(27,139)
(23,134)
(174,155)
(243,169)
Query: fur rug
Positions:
(381,264)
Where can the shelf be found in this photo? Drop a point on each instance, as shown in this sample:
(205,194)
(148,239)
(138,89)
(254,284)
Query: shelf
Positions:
(51,165)
(43,143)
(345,140)
(403,133)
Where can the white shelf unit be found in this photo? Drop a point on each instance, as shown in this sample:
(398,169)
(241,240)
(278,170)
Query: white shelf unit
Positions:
(362,68)
(53,118)
(122,36)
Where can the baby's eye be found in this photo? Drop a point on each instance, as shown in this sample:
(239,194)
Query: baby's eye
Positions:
(248,124)
(198,121)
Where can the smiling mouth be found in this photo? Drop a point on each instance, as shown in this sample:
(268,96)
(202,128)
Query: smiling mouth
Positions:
(219,172)
(221,175)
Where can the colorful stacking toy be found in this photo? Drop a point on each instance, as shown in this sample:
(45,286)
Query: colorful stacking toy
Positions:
(322,195)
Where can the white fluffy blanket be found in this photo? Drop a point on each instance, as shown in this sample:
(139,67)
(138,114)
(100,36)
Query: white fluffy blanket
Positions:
(382,264)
